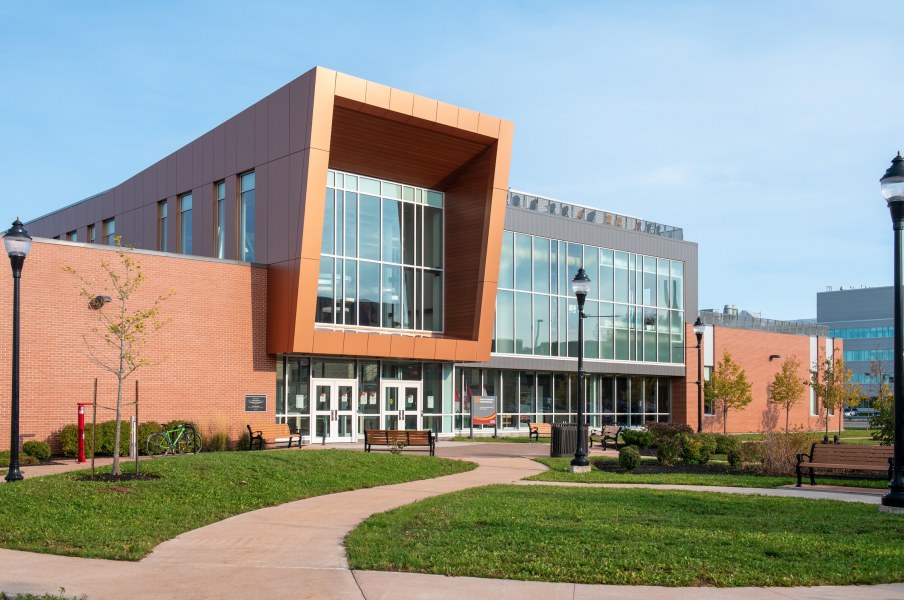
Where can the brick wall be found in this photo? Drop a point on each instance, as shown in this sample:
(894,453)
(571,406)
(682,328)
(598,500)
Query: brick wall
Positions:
(751,349)
(209,354)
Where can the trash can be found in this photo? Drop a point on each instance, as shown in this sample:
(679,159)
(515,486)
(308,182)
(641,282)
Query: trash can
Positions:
(564,439)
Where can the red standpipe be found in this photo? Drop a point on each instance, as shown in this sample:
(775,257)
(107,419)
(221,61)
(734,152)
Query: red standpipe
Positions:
(81,431)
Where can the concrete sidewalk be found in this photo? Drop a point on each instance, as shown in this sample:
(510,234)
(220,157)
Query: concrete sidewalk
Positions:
(296,551)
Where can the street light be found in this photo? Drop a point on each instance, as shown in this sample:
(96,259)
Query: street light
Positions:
(892,184)
(699,328)
(581,285)
(17,243)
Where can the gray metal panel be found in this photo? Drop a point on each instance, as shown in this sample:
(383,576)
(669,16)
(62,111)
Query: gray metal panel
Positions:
(856,305)
(528,363)
(563,228)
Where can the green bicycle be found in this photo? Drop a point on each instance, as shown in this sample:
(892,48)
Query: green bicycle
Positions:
(183,439)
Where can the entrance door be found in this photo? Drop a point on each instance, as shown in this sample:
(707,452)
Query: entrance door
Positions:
(334,410)
(402,408)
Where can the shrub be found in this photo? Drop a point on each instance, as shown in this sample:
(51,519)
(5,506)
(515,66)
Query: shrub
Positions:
(40,451)
(661,430)
(69,440)
(215,442)
(695,449)
(637,437)
(243,442)
(629,457)
(724,443)
(144,431)
(780,450)
(103,439)
(668,451)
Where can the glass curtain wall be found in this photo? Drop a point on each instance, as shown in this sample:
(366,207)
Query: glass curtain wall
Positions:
(185,244)
(381,260)
(635,306)
(525,397)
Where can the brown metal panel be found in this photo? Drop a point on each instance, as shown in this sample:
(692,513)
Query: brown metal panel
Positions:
(109,207)
(401,346)
(219,152)
(424,348)
(160,168)
(207,158)
(172,175)
(172,223)
(244,141)
(327,342)
(261,206)
(300,112)
(297,187)
(229,147)
(322,109)
(197,149)
(184,166)
(379,345)
(261,131)
(278,211)
(278,124)
(127,197)
(424,108)
(354,344)
(202,220)
(117,200)
(149,225)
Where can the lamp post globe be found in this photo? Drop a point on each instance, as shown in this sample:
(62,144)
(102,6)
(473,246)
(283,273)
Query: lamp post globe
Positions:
(699,330)
(17,243)
(892,185)
(580,285)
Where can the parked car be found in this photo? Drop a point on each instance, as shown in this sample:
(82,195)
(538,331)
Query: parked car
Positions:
(850,412)
(866,412)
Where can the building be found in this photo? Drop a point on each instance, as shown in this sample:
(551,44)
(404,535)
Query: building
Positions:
(353,254)
(864,319)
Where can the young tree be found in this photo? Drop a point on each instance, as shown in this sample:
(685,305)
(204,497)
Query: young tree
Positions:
(117,342)
(833,387)
(883,421)
(787,388)
(729,387)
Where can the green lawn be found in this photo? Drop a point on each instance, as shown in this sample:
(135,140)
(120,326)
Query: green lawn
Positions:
(559,471)
(58,514)
(634,537)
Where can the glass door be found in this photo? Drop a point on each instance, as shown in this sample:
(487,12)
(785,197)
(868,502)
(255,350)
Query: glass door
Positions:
(334,410)
(402,407)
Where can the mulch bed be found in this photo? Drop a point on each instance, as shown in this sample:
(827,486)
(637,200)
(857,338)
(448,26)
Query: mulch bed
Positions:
(109,477)
(651,468)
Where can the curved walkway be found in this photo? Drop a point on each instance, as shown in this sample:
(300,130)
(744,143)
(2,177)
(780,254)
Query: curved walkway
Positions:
(296,551)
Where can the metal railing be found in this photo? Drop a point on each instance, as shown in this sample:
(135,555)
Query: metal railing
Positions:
(761,324)
(525,201)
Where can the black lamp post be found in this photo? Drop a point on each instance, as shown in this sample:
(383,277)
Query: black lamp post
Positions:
(699,328)
(17,243)
(581,285)
(893,190)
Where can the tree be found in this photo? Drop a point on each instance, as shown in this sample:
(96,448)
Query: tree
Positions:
(833,387)
(883,421)
(787,388)
(117,343)
(729,387)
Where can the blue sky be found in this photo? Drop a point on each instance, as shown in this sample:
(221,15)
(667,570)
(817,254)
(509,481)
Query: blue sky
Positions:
(761,128)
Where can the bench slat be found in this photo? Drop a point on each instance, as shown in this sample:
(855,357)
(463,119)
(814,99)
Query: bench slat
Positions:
(844,457)
(271,433)
(392,437)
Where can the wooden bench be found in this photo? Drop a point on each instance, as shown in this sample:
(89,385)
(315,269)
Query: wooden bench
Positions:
(271,433)
(853,458)
(538,429)
(607,434)
(399,438)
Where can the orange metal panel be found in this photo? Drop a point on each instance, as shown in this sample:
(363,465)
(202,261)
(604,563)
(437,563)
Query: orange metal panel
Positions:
(401,102)
(446,114)
(402,346)
(314,200)
(495,225)
(305,305)
(488,125)
(425,348)
(378,345)
(280,305)
(327,342)
(355,344)
(424,108)
(468,119)
(445,349)
(377,98)
(352,88)
(503,154)
(322,108)
(466,351)
(486,314)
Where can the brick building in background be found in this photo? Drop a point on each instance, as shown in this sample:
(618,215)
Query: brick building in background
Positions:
(353,253)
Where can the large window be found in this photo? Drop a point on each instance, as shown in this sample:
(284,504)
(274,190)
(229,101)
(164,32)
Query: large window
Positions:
(634,306)
(72,236)
(185,224)
(162,235)
(219,239)
(92,235)
(110,232)
(246,209)
(381,256)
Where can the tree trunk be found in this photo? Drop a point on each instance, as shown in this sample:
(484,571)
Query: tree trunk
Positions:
(117,471)
(725,421)
(787,418)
